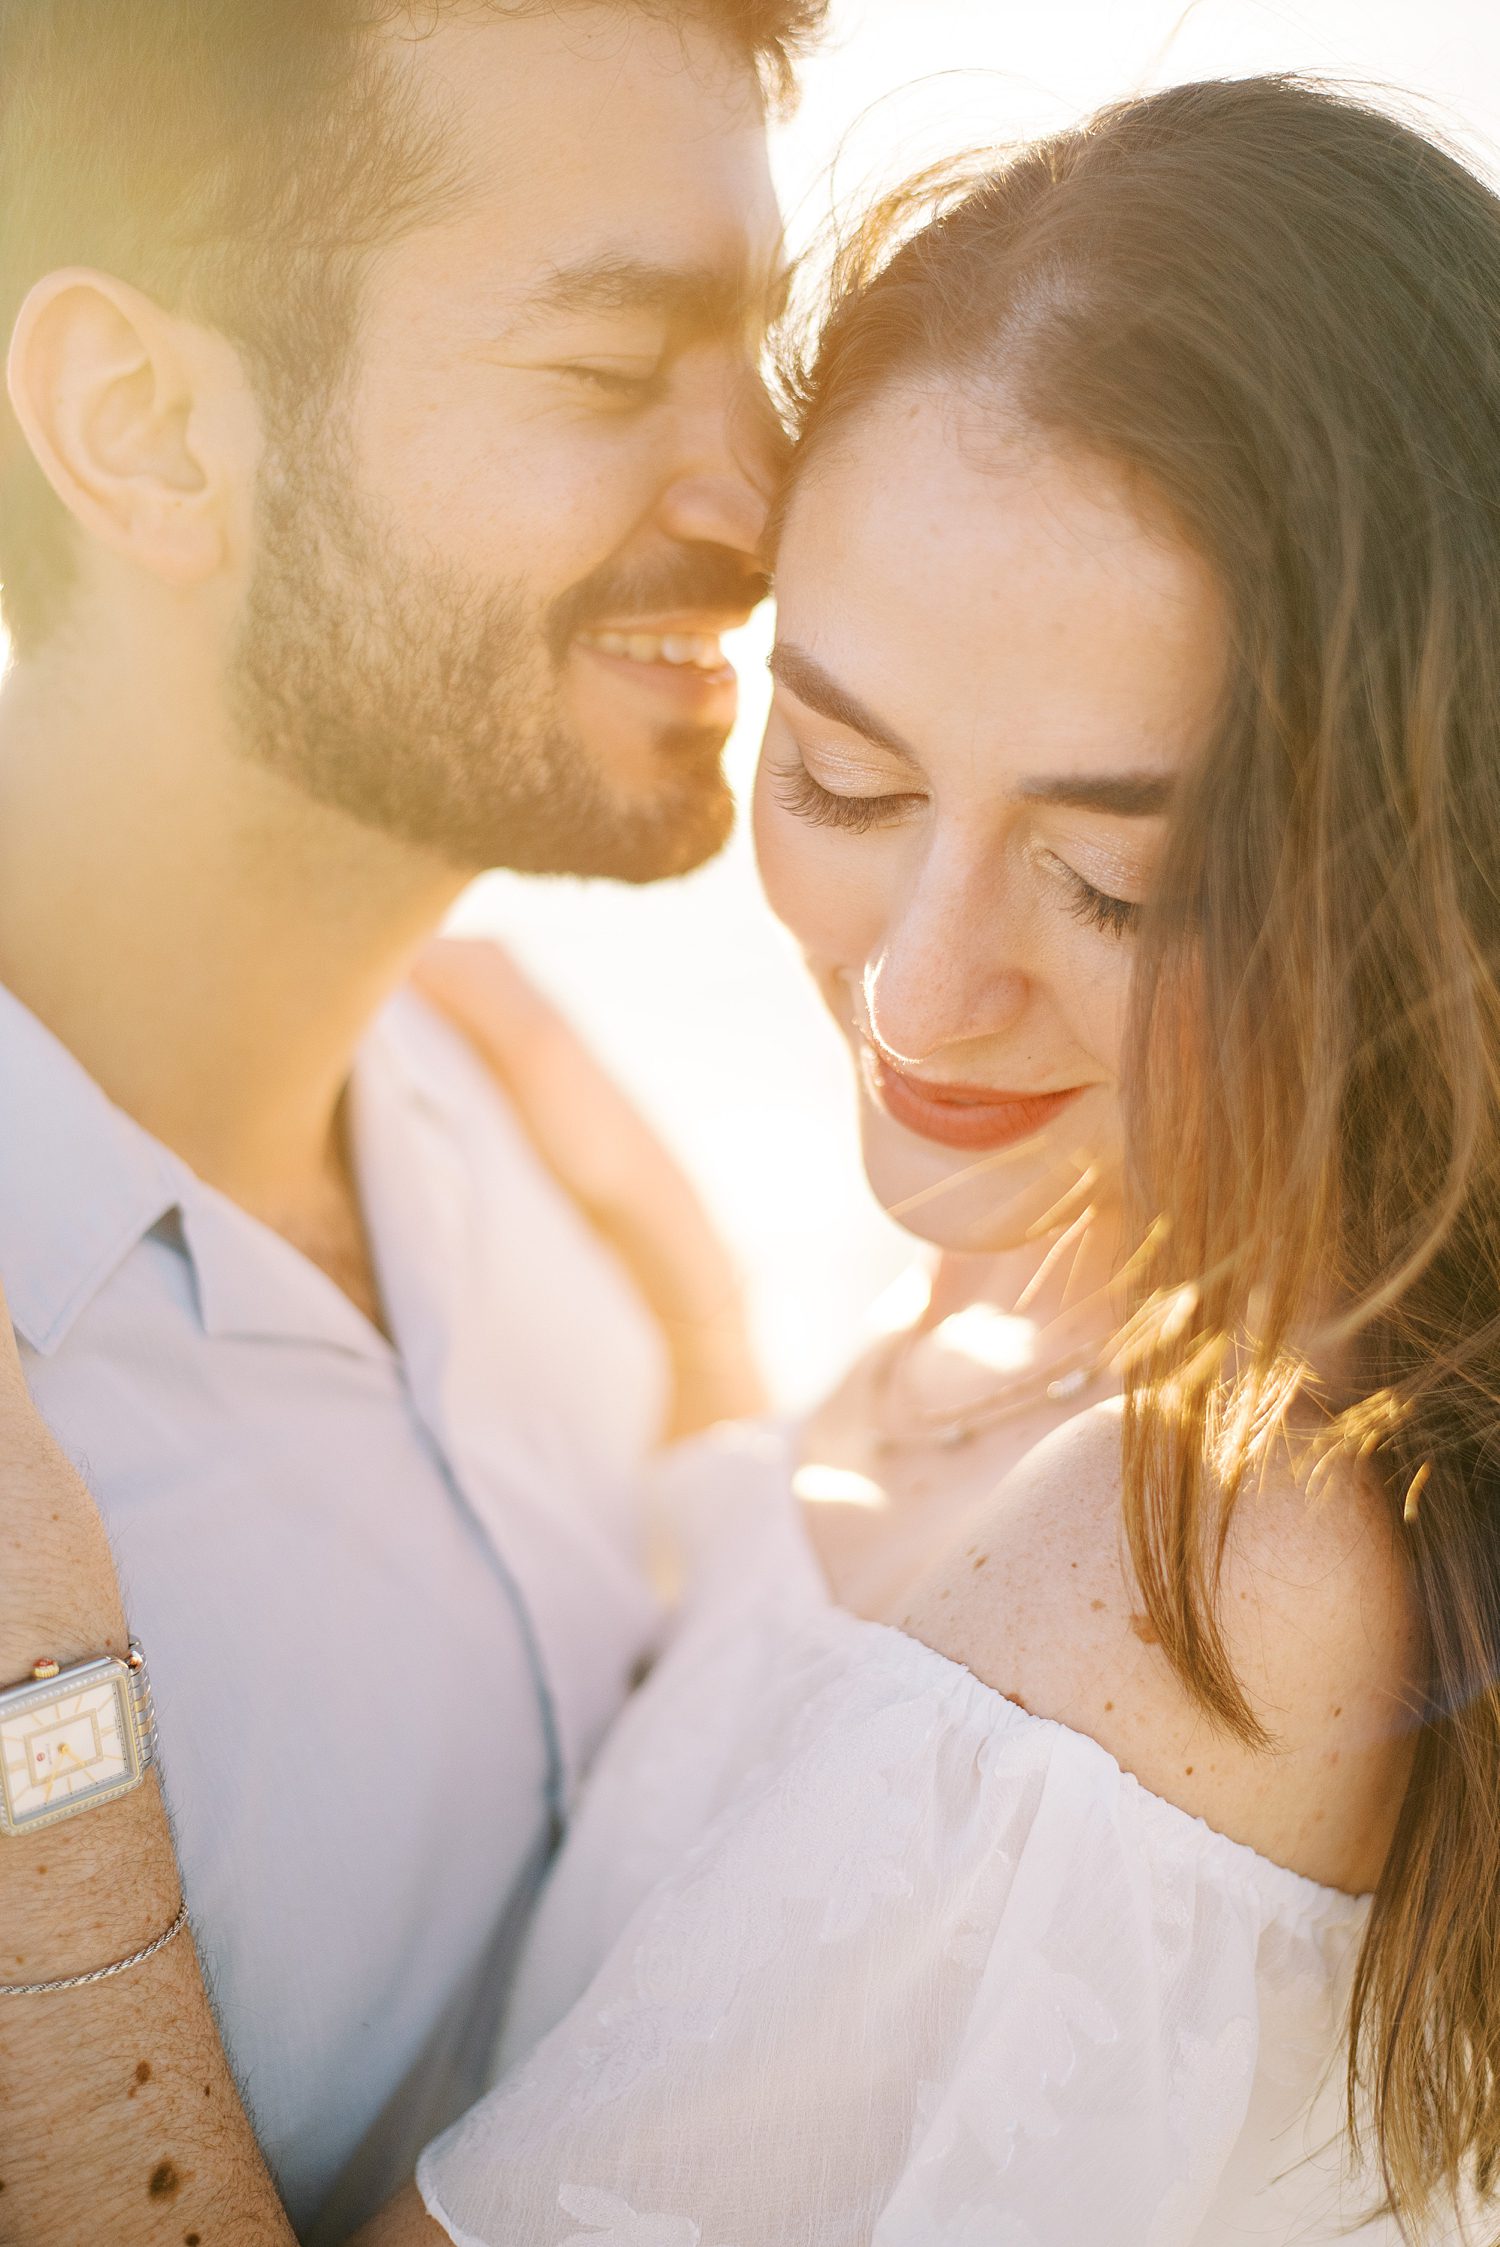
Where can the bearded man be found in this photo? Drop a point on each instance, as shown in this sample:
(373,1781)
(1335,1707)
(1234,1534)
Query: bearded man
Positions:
(387,456)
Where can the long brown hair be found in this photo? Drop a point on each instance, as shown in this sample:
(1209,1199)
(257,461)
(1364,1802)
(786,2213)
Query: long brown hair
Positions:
(1280,309)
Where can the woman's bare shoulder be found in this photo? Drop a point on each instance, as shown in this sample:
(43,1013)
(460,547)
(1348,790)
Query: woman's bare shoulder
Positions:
(1041,1602)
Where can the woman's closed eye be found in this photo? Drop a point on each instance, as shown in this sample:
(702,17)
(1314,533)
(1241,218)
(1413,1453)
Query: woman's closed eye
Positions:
(1096,908)
(797,792)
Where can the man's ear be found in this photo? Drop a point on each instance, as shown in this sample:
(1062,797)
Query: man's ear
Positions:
(122,404)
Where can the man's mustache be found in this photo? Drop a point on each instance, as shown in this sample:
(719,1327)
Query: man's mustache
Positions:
(707,578)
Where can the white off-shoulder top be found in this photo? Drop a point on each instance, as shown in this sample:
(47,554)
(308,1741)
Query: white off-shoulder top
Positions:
(847,1950)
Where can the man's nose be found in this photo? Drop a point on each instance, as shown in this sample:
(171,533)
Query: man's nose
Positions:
(728,470)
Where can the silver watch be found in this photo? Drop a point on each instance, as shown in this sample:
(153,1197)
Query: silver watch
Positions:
(72,1739)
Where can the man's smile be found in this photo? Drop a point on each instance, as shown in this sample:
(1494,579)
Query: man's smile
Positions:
(679,657)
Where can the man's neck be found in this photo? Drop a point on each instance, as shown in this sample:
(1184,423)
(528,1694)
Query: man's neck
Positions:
(209,944)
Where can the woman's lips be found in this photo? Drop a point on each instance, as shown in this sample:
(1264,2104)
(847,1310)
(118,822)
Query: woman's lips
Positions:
(961,1115)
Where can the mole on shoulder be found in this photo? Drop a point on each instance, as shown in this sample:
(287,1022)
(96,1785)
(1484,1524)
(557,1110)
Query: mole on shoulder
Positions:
(981,1560)
(1145,1630)
(190,2239)
(165,2183)
(143,2072)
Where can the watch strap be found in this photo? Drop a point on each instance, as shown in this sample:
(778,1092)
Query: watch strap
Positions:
(142,1705)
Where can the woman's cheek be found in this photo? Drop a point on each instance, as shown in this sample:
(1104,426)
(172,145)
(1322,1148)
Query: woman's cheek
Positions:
(1094,990)
(821,883)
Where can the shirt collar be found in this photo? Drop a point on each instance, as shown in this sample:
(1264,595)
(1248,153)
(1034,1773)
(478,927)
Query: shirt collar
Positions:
(254,1285)
(80,1183)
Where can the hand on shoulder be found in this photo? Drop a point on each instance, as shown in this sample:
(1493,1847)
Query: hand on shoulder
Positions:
(1040,1601)
(613,1167)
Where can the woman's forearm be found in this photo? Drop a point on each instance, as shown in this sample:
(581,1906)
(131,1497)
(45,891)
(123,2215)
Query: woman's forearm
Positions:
(119,2119)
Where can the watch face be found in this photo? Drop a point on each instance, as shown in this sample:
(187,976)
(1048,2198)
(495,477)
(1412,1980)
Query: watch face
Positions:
(80,1743)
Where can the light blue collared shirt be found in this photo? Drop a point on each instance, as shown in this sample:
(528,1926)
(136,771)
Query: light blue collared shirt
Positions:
(390,1595)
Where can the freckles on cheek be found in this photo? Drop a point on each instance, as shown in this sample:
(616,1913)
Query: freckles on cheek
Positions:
(816,886)
(1102,1012)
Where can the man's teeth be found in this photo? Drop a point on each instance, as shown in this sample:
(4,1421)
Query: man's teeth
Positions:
(692,651)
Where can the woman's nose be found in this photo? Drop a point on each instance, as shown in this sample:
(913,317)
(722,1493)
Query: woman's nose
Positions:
(949,972)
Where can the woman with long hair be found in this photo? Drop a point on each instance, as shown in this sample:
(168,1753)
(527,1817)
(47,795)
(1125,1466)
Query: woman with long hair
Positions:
(1064,1816)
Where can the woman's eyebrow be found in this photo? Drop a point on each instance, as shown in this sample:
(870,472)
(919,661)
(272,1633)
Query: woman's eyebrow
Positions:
(810,683)
(1128,795)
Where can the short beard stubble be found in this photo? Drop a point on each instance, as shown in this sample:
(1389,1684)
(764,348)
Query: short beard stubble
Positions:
(429,708)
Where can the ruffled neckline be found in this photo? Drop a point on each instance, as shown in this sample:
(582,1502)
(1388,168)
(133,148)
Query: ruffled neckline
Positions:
(1287,1894)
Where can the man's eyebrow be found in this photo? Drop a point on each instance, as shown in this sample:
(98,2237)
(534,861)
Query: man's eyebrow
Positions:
(706,298)
(1127,795)
(810,683)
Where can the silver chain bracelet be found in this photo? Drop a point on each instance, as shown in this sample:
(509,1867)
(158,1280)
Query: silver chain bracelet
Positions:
(100,1973)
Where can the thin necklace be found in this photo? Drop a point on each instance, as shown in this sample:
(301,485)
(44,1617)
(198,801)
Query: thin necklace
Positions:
(1065,1381)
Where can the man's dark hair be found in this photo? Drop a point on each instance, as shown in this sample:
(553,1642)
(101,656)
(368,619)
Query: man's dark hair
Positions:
(232,158)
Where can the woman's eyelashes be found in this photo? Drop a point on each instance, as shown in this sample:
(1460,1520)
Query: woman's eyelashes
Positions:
(797,792)
(1096,908)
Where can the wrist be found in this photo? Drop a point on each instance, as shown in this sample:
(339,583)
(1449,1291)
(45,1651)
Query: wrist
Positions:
(54,1606)
(87,1870)
(80,1895)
